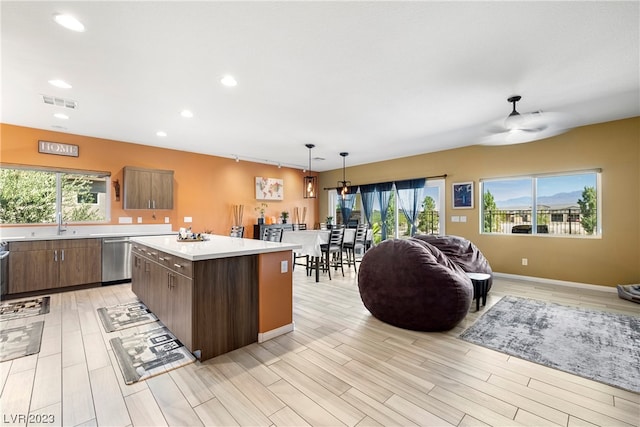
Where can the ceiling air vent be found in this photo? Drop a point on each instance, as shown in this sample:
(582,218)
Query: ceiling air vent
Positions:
(60,102)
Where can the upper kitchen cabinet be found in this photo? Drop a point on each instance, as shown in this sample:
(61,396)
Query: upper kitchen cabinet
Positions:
(147,188)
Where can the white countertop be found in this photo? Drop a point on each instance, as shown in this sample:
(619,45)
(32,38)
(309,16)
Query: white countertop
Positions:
(215,247)
(25,234)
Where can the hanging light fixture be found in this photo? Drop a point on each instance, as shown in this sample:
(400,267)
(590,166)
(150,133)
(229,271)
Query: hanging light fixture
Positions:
(310,183)
(344,183)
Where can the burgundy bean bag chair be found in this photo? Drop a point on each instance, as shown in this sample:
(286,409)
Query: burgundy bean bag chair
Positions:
(413,285)
(462,252)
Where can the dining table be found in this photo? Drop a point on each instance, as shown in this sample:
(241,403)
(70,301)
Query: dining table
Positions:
(310,240)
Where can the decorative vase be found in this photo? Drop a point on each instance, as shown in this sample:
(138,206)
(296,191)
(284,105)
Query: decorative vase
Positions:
(260,221)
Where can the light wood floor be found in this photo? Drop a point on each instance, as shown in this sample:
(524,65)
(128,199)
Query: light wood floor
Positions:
(340,366)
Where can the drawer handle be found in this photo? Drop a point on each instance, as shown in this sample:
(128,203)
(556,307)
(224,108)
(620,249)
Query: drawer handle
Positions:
(177,265)
(160,258)
(154,253)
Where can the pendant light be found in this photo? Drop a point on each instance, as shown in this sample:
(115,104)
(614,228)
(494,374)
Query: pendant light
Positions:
(310,183)
(344,183)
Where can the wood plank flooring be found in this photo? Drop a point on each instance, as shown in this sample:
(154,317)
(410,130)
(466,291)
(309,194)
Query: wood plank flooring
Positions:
(339,367)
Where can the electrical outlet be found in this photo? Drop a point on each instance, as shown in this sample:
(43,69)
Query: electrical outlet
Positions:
(284,266)
(525,261)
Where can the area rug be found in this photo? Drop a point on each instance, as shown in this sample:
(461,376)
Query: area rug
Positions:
(123,316)
(593,344)
(146,354)
(20,341)
(25,308)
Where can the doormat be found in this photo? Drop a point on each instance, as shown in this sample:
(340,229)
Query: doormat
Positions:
(20,341)
(592,344)
(124,316)
(630,292)
(146,354)
(24,308)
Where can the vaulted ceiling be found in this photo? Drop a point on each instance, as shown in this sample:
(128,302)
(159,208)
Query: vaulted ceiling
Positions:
(379,80)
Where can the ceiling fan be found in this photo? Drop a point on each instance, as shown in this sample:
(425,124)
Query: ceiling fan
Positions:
(519,128)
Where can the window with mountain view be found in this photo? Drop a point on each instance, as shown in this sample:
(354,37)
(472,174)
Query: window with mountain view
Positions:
(558,204)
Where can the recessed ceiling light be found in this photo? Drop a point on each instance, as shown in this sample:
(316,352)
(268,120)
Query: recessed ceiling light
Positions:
(186,113)
(60,83)
(61,116)
(69,22)
(228,81)
(161,133)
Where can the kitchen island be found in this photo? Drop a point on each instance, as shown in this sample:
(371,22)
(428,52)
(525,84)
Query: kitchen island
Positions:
(215,295)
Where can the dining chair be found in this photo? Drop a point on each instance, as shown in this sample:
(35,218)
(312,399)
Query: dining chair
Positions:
(332,250)
(297,256)
(272,234)
(356,245)
(237,231)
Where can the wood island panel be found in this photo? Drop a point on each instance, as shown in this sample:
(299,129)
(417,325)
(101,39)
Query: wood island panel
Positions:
(225,304)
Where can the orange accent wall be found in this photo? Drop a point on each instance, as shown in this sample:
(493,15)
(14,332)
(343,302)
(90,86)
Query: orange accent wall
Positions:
(205,187)
(275,291)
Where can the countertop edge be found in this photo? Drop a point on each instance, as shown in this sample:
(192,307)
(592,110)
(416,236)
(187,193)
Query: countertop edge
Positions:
(269,248)
(82,236)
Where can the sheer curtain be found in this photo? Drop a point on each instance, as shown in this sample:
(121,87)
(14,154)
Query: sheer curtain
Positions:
(346,203)
(383,191)
(367,193)
(410,194)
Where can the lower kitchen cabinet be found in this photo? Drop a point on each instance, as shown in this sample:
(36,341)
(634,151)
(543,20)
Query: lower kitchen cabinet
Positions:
(80,262)
(177,301)
(165,292)
(211,306)
(50,264)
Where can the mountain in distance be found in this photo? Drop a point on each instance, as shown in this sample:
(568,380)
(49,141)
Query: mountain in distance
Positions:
(559,200)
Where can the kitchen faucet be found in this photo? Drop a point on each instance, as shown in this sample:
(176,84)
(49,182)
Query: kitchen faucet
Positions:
(60,229)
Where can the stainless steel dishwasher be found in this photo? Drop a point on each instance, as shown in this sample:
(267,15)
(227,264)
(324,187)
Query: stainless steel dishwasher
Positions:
(116,259)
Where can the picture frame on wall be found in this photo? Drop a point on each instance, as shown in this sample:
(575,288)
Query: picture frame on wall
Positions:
(269,188)
(462,195)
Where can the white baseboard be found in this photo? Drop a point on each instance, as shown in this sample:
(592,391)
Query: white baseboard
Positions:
(557,282)
(265,336)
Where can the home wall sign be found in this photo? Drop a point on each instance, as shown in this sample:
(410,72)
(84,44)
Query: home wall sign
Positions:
(58,148)
(269,188)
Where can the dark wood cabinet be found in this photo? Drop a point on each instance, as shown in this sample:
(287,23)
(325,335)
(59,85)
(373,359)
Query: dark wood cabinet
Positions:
(148,188)
(209,305)
(49,264)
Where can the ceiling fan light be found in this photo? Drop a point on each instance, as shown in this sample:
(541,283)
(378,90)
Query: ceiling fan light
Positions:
(513,121)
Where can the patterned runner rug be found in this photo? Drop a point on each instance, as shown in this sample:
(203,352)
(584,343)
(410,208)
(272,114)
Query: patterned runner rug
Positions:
(10,310)
(20,341)
(593,344)
(127,315)
(146,354)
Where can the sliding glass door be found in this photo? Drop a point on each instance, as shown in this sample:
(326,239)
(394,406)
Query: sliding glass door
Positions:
(393,223)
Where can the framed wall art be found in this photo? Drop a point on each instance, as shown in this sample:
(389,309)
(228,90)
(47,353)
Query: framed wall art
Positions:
(463,195)
(269,188)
